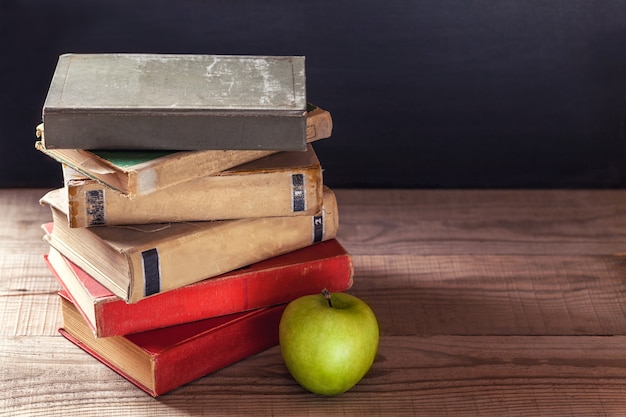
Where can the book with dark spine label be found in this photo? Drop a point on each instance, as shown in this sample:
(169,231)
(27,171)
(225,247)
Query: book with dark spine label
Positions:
(138,261)
(282,184)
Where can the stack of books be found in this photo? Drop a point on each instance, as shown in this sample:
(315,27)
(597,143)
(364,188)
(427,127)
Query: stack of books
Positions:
(193,208)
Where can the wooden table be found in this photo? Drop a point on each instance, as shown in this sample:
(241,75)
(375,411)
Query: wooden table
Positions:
(490,303)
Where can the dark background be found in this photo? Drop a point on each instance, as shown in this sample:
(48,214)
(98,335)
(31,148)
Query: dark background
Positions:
(423,93)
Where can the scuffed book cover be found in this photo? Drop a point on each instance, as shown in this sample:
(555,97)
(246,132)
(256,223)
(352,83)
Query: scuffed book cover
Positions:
(134,173)
(176,102)
(274,281)
(157,361)
(282,184)
(139,261)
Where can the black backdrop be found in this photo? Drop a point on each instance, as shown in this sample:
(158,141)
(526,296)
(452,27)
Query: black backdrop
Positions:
(423,93)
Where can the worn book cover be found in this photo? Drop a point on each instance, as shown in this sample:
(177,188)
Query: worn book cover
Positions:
(157,361)
(139,261)
(277,280)
(142,172)
(176,102)
(282,184)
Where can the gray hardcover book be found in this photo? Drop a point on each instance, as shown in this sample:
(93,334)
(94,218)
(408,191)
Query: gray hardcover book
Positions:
(176,102)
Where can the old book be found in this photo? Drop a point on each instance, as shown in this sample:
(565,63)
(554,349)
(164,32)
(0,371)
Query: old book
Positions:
(157,361)
(138,261)
(142,172)
(282,184)
(176,102)
(277,280)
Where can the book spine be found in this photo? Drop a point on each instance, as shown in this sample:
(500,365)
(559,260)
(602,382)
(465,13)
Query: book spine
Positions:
(146,129)
(170,265)
(287,192)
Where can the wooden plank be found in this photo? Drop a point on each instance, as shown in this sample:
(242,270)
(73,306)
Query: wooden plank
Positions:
(444,222)
(437,375)
(494,294)
(34,314)
(28,300)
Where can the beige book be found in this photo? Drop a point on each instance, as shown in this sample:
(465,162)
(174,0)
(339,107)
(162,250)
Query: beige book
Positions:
(137,261)
(135,173)
(282,184)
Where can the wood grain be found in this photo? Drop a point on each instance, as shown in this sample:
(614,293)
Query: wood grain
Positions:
(437,375)
(491,303)
(439,222)
(494,294)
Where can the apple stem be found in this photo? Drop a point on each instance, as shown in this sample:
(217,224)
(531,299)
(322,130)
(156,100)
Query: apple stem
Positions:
(326,295)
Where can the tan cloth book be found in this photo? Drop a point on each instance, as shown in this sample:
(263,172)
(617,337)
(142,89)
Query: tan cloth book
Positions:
(138,261)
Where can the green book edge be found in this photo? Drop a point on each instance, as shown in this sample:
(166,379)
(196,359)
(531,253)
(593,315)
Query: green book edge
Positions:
(126,159)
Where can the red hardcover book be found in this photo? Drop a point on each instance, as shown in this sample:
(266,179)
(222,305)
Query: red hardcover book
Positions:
(273,281)
(160,360)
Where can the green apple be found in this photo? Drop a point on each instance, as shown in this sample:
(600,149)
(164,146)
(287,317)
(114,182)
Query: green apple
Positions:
(328,341)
